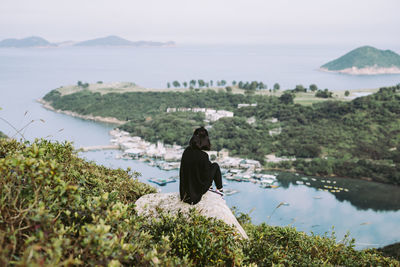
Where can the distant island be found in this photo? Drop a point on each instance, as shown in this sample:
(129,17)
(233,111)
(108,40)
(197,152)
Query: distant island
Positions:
(33,41)
(108,41)
(365,60)
(118,41)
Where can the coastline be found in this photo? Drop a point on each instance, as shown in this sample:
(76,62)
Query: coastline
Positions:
(365,71)
(109,120)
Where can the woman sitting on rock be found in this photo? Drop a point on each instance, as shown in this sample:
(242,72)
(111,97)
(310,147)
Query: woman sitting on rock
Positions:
(197,172)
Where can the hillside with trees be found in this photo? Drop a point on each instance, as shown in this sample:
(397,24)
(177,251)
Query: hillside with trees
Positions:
(60,210)
(358,138)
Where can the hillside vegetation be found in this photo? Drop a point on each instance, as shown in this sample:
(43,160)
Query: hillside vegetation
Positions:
(57,209)
(365,56)
(358,138)
(2,135)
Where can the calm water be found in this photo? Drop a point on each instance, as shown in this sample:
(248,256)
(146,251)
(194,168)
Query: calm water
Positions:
(369,211)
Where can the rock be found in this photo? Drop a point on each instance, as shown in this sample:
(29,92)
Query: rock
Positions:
(210,205)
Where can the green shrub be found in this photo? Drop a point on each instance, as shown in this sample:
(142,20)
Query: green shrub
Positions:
(269,245)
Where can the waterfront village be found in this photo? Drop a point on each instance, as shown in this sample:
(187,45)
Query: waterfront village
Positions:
(167,157)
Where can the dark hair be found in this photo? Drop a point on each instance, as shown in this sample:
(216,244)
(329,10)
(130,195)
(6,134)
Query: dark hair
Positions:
(200,139)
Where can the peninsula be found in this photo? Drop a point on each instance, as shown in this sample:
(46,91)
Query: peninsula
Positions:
(365,60)
(340,137)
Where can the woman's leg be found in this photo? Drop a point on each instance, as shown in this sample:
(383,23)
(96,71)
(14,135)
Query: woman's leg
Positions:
(215,174)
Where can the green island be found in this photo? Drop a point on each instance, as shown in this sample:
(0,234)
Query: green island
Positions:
(333,136)
(365,60)
(60,210)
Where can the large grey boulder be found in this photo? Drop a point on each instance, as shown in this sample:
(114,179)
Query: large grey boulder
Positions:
(210,205)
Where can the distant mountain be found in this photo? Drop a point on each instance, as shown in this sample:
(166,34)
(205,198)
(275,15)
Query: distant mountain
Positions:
(365,60)
(106,41)
(118,41)
(33,41)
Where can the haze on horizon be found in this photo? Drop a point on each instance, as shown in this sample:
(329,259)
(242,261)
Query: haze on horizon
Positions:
(357,22)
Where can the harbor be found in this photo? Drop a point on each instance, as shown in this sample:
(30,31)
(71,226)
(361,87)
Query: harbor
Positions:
(167,157)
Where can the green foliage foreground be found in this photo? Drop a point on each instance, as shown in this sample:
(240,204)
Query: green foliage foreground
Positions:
(57,209)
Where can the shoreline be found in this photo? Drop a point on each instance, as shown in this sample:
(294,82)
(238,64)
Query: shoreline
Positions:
(365,71)
(109,120)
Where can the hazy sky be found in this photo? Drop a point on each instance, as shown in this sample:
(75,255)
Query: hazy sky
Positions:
(206,21)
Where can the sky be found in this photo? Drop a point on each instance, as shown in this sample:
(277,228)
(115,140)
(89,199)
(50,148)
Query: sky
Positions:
(355,22)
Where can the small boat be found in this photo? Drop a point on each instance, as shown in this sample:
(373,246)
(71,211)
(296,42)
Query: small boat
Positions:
(267,183)
(161,181)
(229,192)
(269,176)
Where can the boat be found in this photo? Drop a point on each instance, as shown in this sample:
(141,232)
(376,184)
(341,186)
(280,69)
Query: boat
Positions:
(267,183)
(161,181)
(229,192)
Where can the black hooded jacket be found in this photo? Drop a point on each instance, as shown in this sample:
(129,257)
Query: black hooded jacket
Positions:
(194,175)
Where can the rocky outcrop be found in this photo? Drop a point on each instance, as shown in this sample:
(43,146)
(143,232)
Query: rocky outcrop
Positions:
(211,205)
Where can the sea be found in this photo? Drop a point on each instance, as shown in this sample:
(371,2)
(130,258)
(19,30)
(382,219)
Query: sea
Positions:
(367,211)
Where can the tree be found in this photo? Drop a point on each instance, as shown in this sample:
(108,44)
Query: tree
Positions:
(253,85)
(228,89)
(185,84)
(79,83)
(313,87)
(211,82)
(192,83)
(300,88)
(323,93)
(276,87)
(287,98)
(201,83)
(233,83)
(347,93)
(223,82)
(168,85)
(176,84)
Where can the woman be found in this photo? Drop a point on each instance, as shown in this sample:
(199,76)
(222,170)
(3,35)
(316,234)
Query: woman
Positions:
(197,172)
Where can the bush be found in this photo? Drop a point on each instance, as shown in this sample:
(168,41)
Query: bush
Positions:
(269,246)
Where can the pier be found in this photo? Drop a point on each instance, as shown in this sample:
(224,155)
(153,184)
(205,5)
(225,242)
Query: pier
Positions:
(96,148)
